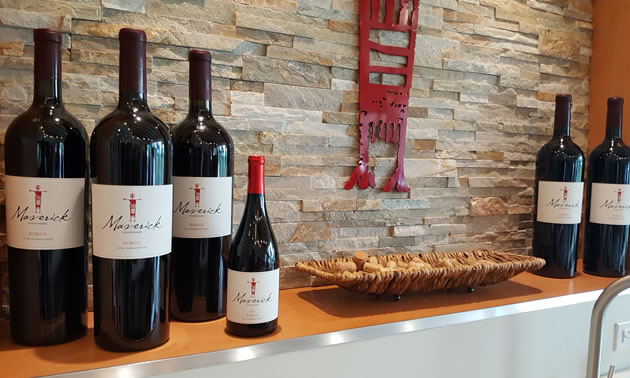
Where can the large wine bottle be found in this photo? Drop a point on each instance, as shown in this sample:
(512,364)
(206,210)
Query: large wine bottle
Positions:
(203,161)
(46,175)
(253,265)
(608,200)
(558,197)
(131,169)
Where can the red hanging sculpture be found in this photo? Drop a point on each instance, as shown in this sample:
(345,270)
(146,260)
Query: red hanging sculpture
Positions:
(383,108)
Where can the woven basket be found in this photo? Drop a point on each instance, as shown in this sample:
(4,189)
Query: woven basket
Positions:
(398,282)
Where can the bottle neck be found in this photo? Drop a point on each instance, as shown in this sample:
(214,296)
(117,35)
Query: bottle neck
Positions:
(256,183)
(562,119)
(47,92)
(133,101)
(133,70)
(199,88)
(47,73)
(614,119)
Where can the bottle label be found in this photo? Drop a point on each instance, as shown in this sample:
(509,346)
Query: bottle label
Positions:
(252,297)
(131,222)
(202,207)
(610,204)
(559,202)
(45,213)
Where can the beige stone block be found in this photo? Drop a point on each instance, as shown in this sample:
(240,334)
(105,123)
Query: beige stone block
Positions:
(137,6)
(13,48)
(220,12)
(415,230)
(257,36)
(340,118)
(343,26)
(35,20)
(324,34)
(281,5)
(483,206)
(285,27)
(430,168)
(368,204)
(285,72)
(248,98)
(14,93)
(310,231)
(302,98)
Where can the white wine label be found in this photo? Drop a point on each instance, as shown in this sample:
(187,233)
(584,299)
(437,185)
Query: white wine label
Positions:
(45,213)
(202,207)
(559,202)
(610,204)
(131,222)
(252,297)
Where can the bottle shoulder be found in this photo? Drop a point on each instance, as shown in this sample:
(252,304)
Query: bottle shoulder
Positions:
(610,150)
(563,148)
(52,123)
(202,129)
(141,127)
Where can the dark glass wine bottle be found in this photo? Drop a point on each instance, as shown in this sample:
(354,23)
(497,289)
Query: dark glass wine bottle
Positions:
(558,197)
(46,175)
(131,169)
(253,265)
(608,200)
(203,164)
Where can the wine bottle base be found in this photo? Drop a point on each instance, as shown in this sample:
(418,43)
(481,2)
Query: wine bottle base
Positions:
(554,273)
(251,330)
(129,346)
(600,273)
(197,318)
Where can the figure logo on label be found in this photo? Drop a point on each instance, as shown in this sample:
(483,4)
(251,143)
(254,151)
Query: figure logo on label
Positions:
(132,206)
(253,283)
(197,190)
(565,193)
(38,198)
(619,191)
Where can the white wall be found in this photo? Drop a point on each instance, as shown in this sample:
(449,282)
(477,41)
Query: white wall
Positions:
(546,343)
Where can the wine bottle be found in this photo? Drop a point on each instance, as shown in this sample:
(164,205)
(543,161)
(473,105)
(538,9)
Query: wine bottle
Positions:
(46,175)
(253,277)
(558,197)
(203,164)
(131,169)
(608,200)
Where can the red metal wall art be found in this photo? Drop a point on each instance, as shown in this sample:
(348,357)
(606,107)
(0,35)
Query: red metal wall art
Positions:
(383,108)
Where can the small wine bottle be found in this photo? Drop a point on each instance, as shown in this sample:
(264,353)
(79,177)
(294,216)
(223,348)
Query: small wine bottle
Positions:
(608,200)
(46,175)
(203,161)
(132,198)
(253,265)
(558,197)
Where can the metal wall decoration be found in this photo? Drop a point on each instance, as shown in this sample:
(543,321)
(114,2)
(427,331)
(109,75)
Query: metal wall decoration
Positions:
(383,108)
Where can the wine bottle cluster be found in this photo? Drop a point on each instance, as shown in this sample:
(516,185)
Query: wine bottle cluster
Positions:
(161,215)
(559,190)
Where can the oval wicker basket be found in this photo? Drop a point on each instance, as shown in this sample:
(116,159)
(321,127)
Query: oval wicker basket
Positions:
(396,283)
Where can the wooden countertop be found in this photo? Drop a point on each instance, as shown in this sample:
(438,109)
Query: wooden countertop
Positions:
(303,312)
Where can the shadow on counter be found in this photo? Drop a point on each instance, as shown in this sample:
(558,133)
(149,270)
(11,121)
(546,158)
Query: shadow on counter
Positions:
(341,303)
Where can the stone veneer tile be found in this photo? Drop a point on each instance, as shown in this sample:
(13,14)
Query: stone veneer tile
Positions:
(285,79)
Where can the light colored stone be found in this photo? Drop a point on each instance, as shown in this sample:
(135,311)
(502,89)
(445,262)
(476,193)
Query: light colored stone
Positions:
(414,230)
(488,206)
(302,98)
(137,6)
(285,27)
(34,20)
(285,72)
